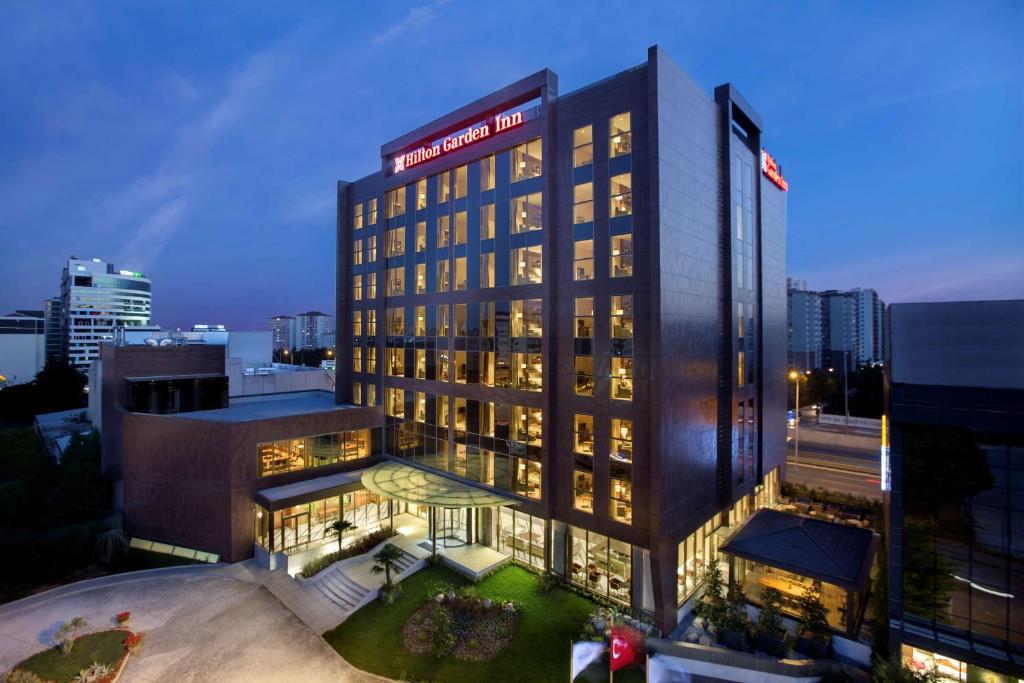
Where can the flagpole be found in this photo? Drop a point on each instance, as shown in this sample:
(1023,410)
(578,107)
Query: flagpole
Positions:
(647,667)
(570,660)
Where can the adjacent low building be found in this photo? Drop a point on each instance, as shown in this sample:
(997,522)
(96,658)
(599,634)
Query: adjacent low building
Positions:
(22,346)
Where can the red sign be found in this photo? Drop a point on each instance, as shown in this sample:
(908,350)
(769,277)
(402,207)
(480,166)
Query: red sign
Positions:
(499,124)
(774,172)
(627,647)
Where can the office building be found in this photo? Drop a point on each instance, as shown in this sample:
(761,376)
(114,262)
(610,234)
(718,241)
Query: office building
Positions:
(22,346)
(839,329)
(53,330)
(610,362)
(283,331)
(953,472)
(96,300)
(314,330)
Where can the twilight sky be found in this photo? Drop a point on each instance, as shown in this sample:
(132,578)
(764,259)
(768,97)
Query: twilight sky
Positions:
(200,142)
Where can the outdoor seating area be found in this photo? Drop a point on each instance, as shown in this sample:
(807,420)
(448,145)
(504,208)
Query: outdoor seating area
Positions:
(830,512)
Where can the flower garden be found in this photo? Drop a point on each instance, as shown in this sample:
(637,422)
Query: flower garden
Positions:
(90,658)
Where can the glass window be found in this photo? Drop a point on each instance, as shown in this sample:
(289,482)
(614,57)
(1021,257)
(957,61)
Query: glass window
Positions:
(396,362)
(371,248)
(357,217)
(584,375)
(461,320)
(622,440)
(421,321)
(461,181)
(357,393)
(527,265)
(357,287)
(583,490)
(395,242)
(584,326)
(527,425)
(289,455)
(486,270)
(487,173)
(443,276)
(621,137)
(443,320)
(372,213)
(622,255)
(442,411)
(357,323)
(357,359)
(421,364)
(357,252)
(421,278)
(395,402)
(371,324)
(530,371)
(421,236)
(487,222)
(421,194)
(583,434)
(527,213)
(443,230)
(371,285)
(442,366)
(622,379)
(583,260)
(460,272)
(487,319)
(460,378)
(583,203)
(394,202)
(621,195)
(621,494)
(396,281)
(444,187)
(526,160)
(396,321)
(582,146)
(527,318)
(461,227)
(371,394)
(740,378)
(622,316)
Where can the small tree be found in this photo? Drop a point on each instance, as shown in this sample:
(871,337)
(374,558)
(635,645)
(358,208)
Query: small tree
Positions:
(387,561)
(65,636)
(813,613)
(735,608)
(712,606)
(338,528)
(769,621)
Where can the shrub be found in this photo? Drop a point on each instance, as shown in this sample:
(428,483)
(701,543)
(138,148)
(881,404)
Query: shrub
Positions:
(123,617)
(711,606)
(360,546)
(444,635)
(133,642)
(22,676)
(93,673)
(769,621)
(548,582)
(814,614)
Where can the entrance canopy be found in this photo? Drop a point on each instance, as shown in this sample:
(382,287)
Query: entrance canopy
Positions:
(413,485)
(834,553)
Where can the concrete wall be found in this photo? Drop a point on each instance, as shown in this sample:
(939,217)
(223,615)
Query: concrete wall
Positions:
(21,356)
(254,348)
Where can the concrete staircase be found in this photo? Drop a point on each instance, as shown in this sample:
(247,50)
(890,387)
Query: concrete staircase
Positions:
(340,590)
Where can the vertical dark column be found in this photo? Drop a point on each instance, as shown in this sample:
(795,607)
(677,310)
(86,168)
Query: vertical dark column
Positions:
(343,318)
(725,303)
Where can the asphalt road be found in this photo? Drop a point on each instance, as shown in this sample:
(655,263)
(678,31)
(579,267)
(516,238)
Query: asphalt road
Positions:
(843,470)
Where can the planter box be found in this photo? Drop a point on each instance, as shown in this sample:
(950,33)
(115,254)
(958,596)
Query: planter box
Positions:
(812,647)
(734,640)
(770,645)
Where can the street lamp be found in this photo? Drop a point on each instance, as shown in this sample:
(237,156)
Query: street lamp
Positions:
(795,376)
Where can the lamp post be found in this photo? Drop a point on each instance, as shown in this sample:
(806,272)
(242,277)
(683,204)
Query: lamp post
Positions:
(795,376)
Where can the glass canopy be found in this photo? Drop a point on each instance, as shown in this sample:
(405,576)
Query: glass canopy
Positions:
(413,485)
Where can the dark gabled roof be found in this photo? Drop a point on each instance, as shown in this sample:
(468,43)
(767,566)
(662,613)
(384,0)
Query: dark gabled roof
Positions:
(828,551)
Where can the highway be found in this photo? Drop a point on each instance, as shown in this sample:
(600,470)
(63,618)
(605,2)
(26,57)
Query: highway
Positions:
(837,469)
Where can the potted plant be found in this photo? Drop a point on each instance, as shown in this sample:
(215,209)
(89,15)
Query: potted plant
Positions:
(387,561)
(732,631)
(711,606)
(815,636)
(770,636)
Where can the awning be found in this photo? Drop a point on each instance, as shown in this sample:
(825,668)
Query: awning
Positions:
(413,485)
(834,553)
(280,497)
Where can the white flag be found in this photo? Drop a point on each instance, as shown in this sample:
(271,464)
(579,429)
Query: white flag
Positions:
(663,669)
(583,655)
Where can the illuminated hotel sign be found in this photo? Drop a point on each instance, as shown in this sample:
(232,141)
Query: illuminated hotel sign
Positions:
(774,172)
(481,131)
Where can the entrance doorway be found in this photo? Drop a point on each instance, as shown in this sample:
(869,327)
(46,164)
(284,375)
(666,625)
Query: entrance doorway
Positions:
(295,529)
(454,527)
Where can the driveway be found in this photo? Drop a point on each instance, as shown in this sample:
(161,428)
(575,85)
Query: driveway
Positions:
(207,624)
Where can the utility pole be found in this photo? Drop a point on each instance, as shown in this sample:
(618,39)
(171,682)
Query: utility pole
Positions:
(795,376)
(846,393)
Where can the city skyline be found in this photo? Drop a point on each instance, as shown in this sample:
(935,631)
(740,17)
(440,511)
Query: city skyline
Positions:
(206,155)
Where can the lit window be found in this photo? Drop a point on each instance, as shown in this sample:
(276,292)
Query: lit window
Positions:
(443,320)
(487,222)
(487,173)
(461,374)
(442,366)
(421,278)
(529,371)
(357,323)
(527,427)
(357,287)
(371,324)
(357,218)
(461,227)
(357,393)
(443,272)
(583,490)
(527,318)
(583,260)
(372,213)
(421,364)
(583,373)
(371,248)
(740,367)
(396,281)
(622,440)
(461,181)
(584,325)
(622,255)
(526,160)
(486,270)
(583,434)
(582,146)
(396,321)
(621,195)
(444,187)
(396,362)
(527,213)
(487,319)
(583,203)
(421,194)
(357,252)
(620,137)
(371,394)
(395,402)
(622,316)
(527,265)
(421,236)
(371,285)
(460,273)
(394,202)
(357,359)
(394,244)
(421,321)
(442,411)
(621,494)
(622,379)
(443,230)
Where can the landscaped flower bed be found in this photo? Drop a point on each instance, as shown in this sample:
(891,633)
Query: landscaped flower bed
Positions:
(107,649)
(361,545)
(472,629)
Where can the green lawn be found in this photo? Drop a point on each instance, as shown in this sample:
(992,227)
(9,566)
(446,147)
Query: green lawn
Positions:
(371,638)
(104,647)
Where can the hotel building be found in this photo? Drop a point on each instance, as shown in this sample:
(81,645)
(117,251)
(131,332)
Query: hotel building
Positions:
(577,303)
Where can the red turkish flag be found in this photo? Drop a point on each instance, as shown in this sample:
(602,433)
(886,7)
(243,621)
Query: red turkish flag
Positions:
(627,647)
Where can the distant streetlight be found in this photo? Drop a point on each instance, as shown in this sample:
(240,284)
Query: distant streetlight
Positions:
(795,376)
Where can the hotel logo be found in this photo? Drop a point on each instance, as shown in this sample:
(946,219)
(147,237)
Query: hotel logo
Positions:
(499,123)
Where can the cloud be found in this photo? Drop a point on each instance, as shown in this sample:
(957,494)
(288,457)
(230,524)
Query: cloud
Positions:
(415,18)
(151,238)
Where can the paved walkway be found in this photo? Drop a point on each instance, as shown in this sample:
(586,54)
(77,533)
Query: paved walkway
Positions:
(205,623)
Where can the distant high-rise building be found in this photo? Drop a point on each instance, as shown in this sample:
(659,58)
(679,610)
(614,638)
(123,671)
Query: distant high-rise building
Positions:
(314,330)
(22,346)
(96,299)
(52,327)
(282,329)
(842,330)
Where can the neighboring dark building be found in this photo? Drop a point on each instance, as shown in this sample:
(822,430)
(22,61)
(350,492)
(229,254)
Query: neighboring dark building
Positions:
(53,330)
(579,301)
(22,346)
(955,407)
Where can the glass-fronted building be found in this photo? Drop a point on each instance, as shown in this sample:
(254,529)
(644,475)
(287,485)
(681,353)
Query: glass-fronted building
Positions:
(578,302)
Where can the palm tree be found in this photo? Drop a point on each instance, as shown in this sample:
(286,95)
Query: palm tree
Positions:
(338,527)
(387,559)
